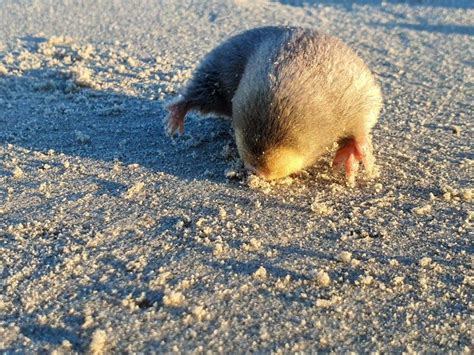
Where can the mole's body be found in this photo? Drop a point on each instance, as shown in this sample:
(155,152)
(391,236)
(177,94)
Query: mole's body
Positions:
(291,93)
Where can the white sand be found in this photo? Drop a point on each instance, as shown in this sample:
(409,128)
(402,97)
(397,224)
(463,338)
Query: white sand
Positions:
(115,238)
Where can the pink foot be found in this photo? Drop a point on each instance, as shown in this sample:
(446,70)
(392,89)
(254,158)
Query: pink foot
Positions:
(353,152)
(174,121)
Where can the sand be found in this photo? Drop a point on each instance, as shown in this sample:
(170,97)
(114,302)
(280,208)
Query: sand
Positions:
(115,238)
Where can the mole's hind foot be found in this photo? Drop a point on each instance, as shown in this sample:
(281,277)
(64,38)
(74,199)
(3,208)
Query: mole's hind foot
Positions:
(351,153)
(174,121)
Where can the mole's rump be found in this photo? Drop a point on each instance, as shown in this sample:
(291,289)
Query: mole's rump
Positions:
(291,93)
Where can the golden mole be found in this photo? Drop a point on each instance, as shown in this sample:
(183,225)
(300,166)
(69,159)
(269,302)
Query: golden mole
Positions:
(291,93)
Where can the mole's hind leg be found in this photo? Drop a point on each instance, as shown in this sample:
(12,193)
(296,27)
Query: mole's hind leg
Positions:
(174,121)
(203,94)
(353,151)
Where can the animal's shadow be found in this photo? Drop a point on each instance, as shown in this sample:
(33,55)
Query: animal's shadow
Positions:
(39,113)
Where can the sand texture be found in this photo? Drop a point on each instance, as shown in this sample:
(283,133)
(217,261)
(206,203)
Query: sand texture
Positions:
(116,238)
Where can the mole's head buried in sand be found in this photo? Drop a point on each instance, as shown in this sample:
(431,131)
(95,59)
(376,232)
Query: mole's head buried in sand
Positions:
(291,94)
(270,145)
(269,161)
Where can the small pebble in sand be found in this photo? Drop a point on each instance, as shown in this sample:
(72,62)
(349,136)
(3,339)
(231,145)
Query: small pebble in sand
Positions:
(378,187)
(18,173)
(323,303)
(398,280)
(261,273)
(200,313)
(264,334)
(88,321)
(423,282)
(355,262)
(253,245)
(393,262)
(218,249)
(3,70)
(200,222)
(256,183)
(426,261)
(98,343)
(366,280)
(132,62)
(133,166)
(468,280)
(179,225)
(207,231)
(345,257)
(326,303)
(423,210)
(222,213)
(467,194)
(161,279)
(283,284)
(452,194)
(82,77)
(173,299)
(323,278)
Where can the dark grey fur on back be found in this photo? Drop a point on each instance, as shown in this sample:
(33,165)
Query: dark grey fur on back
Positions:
(217,77)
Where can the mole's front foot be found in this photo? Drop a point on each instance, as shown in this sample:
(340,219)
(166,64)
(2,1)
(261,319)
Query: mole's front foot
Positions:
(351,153)
(174,121)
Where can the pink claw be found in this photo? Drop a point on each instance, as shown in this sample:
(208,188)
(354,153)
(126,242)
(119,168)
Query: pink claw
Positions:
(353,152)
(175,119)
